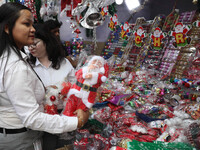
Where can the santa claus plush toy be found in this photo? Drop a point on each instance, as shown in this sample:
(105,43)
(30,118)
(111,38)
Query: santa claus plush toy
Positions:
(89,78)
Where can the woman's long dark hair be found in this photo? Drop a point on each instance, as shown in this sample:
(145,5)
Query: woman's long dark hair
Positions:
(53,46)
(9,13)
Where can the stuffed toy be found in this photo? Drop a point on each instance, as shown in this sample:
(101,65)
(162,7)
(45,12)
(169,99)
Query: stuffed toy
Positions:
(51,100)
(83,93)
(55,95)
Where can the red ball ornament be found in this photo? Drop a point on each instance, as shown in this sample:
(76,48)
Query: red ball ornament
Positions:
(52,98)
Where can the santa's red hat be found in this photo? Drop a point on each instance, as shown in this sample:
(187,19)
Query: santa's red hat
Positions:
(157,29)
(140,28)
(179,23)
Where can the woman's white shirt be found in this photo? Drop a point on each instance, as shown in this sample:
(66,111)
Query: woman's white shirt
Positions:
(51,76)
(22,96)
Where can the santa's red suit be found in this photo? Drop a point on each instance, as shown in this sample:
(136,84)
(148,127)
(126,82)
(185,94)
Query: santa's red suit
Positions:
(138,38)
(157,40)
(83,93)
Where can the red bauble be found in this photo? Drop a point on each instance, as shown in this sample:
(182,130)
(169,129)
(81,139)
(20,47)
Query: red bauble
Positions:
(52,98)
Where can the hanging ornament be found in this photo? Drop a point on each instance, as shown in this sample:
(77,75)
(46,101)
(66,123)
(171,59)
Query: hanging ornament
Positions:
(180,34)
(113,22)
(104,11)
(124,30)
(157,38)
(75,28)
(92,17)
(139,35)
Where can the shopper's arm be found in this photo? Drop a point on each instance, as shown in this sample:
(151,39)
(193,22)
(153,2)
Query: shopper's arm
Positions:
(22,87)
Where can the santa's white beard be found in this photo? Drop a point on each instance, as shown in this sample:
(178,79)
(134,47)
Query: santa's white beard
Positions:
(157,35)
(94,70)
(178,30)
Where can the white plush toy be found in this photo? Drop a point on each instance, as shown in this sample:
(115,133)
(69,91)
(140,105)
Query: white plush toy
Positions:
(51,100)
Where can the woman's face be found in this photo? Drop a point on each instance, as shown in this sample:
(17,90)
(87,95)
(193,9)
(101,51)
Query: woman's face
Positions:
(23,30)
(38,49)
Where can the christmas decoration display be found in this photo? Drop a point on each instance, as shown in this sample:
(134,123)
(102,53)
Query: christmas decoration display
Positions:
(149,99)
(161,101)
(155,53)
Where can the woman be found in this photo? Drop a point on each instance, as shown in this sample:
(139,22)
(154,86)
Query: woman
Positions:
(21,92)
(53,26)
(48,59)
(49,62)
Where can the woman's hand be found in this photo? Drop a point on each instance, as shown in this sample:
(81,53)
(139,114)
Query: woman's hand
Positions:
(82,117)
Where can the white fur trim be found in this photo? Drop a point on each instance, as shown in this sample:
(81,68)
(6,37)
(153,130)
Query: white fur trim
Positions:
(88,104)
(103,79)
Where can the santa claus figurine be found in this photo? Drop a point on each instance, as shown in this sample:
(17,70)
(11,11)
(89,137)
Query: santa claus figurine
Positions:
(180,35)
(157,37)
(89,78)
(125,30)
(139,35)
